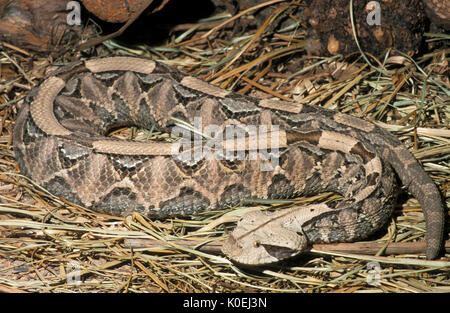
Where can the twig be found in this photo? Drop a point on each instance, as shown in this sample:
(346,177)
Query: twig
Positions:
(367,248)
(261,5)
(372,248)
(423,131)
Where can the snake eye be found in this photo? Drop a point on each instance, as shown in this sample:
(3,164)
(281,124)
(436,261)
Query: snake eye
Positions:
(257,244)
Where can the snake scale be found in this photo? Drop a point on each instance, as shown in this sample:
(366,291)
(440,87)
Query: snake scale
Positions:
(60,142)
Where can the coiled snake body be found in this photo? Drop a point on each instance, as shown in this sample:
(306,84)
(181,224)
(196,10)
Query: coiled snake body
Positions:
(60,142)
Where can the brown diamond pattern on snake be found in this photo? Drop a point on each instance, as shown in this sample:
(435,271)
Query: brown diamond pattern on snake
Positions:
(95,91)
(185,95)
(20,159)
(72,88)
(122,111)
(69,107)
(32,132)
(352,223)
(237,107)
(149,81)
(233,195)
(159,102)
(146,119)
(128,87)
(302,120)
(188,202)
(46,164)
(169,72)
(58,186)
(119,201)
(232,164)
(180,115)
(125,165)
(108,78)
(190,167)
(280,188)
(69,154)
(90,177)
(101,102)
(106,118)
(159,179)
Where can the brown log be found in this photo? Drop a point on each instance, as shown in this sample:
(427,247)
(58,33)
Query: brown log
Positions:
(370,248)
(367,248)
(36,25)
(438,12)
(113,11)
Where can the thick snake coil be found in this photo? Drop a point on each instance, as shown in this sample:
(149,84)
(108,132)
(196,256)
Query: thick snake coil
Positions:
(60,142)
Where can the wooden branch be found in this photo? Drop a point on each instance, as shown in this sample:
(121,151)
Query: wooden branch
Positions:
(369,248)
(366,248)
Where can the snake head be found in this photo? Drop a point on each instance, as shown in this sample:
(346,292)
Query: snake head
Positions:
(262,238)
